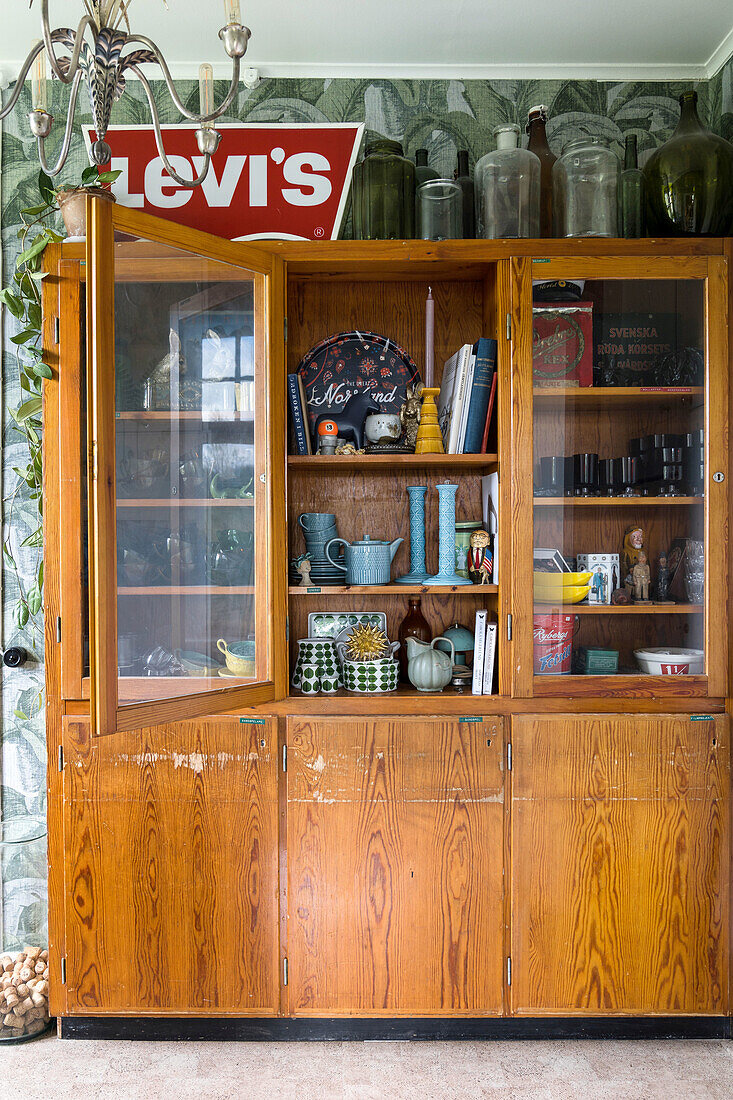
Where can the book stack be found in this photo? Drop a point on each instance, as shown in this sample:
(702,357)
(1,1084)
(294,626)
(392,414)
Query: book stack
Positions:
(467,397)
(300,437)
(484,655)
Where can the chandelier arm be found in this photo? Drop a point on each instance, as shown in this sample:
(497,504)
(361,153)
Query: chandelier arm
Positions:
(233,88)
(159,136)
(67,135)
(68,76)
(20,82)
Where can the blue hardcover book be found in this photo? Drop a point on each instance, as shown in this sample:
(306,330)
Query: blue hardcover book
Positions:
(485,351)
(297,415)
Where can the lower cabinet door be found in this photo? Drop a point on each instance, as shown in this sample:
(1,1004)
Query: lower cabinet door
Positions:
(172,869)
(395,856)
(620,857)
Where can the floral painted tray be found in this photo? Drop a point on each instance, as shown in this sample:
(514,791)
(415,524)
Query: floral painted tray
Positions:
(327,624)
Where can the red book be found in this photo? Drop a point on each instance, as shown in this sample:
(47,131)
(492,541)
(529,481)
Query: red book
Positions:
(489,411)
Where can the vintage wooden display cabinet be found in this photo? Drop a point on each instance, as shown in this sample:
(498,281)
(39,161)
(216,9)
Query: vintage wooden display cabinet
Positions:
(225,849)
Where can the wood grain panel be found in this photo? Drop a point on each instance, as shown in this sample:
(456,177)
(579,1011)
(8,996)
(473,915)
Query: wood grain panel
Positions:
(171,873)
(395,867)
(620,876)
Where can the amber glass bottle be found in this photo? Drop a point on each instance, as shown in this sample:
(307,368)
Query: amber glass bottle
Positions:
(539,145)
(414,625)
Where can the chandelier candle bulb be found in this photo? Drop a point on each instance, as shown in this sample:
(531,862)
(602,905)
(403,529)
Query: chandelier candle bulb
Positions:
(232,12)
(39,82)
(206,93)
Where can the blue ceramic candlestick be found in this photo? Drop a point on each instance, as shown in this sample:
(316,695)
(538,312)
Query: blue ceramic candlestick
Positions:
(418,573)
(447,533)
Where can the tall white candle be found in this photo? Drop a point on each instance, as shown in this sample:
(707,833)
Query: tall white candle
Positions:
(429,338)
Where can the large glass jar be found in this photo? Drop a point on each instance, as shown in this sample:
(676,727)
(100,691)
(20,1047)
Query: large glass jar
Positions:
(24,955)
(384,194)
(439,210)
(507,185)
(584,189)
(689,180)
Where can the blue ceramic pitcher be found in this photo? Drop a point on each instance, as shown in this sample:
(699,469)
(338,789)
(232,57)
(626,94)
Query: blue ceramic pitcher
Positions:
(367,561)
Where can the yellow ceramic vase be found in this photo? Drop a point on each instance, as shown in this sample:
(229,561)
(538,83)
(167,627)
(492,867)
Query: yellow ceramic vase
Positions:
(429,438)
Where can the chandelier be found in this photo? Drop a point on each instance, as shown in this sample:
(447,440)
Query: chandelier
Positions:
(101,51)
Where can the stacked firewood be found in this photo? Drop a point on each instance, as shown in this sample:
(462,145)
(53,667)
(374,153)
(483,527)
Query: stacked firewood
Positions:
(23,992)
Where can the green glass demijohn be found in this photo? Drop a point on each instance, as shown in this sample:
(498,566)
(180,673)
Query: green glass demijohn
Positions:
(384,193)
(689,180)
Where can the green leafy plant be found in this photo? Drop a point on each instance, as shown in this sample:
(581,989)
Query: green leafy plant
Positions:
(23,299)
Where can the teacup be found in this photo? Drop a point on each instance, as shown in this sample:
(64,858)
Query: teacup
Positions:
(315,522)
(239,656)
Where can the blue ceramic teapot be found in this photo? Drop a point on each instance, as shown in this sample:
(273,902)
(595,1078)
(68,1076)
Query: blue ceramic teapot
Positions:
(367,561)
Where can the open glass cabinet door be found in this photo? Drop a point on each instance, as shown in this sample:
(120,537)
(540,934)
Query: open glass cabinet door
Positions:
(185,413)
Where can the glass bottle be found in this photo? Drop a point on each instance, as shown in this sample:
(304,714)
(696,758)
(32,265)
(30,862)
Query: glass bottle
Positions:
(508,189)
(464,181)
(539,145)
(585,189)
(689,180)
(384,193)
(631,193)
(414,625)
(423,173)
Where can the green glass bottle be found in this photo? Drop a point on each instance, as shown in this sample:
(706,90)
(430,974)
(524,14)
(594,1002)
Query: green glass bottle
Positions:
(689,180)
(631,193)
(383,193)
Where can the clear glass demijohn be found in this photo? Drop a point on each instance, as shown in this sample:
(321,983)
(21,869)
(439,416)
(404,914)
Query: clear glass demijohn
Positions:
(584,189)
(507,184)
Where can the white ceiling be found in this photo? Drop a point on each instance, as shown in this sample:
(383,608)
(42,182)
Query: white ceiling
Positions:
(618,39)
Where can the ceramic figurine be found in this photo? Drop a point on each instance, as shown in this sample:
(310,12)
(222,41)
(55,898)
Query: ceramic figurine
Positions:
(327,435)
(383,431)
(641,575)
(633,546)
(480,558)
(303,566)
(351,417)
(410,415)
(429,439)
(661,583)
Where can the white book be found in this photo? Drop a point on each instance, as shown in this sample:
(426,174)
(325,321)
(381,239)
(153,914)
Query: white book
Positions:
(458,400)
(466,403)
(478,653)
(489,659)
(445,397)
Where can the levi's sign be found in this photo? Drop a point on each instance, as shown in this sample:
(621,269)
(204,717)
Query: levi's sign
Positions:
(284,181)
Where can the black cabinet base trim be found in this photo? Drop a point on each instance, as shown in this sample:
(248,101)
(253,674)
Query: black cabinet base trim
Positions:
(261,1030)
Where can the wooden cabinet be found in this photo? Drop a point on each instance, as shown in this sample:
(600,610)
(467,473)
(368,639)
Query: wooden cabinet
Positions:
(620,856)
(171,869)
(395,867)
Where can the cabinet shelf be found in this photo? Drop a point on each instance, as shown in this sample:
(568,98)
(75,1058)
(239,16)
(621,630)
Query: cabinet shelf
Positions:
(184,590)
(614,397)
(185,502)
(614,502)
(326,464)
(623,609)
(396,590)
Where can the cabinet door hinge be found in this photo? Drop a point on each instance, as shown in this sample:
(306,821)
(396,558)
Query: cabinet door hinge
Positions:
(509,970)
(56,330)
(508,326)
(285,329)
(285,970)
(61,758)
(63,970)
(509,627)
(287,628)
(58,629)
(509,756)
(285,758)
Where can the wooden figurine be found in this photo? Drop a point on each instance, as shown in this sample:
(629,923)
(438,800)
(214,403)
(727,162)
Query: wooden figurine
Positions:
(480,560)
(351,416)
(633,546)
(661,583)
(410,415)
(641,575)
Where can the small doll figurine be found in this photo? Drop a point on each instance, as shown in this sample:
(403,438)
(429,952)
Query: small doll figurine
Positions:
(303,566)
(410,415)
(641,575)
(633,546)
(480,560)
(661,584)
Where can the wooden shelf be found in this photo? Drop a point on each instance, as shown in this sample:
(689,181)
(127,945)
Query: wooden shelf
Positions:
(396,590)
(614,502)
(184,590)
(623,609)
(186,502)
(614,397)
(332,463)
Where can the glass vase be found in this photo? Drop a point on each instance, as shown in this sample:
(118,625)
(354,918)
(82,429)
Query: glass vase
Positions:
(383,193)
(584,190)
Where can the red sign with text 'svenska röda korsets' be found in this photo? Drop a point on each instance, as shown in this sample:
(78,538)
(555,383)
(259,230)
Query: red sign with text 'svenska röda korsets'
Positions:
(284,181)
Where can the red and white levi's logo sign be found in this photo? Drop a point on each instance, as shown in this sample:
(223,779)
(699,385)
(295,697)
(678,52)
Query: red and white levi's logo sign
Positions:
(289,182)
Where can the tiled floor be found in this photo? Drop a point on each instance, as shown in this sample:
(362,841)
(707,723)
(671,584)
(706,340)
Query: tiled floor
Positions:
(56,1070)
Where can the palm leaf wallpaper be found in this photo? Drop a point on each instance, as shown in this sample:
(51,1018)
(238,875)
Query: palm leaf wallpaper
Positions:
(442,115)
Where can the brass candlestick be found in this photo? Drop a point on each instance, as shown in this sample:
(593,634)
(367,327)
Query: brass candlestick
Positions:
(429,438)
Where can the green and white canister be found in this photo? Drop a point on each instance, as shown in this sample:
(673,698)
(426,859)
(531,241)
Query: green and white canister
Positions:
(310,679)
(330,683)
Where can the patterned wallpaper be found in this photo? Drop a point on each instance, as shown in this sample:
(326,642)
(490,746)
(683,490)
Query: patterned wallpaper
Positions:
(444,116)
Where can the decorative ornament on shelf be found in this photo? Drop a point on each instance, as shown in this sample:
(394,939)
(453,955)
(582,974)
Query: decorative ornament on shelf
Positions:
(96,55)
(429,440)
(418,573)
(480,558)
(367,643)
(447,535)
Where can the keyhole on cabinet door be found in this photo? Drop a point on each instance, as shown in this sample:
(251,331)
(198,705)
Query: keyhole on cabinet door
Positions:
(262,743)
(412,874)
(488,742)
(714,742)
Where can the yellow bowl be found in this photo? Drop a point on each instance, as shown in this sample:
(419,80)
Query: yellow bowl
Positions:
(569,594)
(562,580)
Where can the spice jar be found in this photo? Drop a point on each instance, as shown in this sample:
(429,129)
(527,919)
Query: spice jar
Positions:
(584,189)
(383,194)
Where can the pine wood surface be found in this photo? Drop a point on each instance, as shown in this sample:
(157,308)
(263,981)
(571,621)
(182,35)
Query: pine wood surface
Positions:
(620,868)
(395,867)
(171,869)
(336,464)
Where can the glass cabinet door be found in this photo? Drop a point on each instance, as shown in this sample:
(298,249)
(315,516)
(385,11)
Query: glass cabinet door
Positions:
(628,398)
(180,571)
